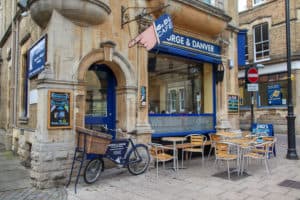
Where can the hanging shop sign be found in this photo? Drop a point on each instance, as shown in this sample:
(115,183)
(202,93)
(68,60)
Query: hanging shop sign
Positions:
(59,109)
(274,94)
(37,56)
(233,104)
(161,29)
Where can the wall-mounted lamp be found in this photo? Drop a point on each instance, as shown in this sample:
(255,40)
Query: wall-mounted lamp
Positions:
(220,73)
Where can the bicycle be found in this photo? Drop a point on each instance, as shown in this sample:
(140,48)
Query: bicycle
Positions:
(123,152)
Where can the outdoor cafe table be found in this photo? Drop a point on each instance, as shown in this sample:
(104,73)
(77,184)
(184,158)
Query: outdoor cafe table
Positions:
(228,135)
(174,140)
(242,144)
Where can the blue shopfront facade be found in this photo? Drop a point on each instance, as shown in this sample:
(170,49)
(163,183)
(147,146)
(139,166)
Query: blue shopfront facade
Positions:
(188,116)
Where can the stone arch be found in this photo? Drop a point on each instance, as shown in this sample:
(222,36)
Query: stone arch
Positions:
(126,91)
(118,64)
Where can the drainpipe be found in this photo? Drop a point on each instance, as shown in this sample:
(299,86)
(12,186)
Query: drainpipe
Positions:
(15,61)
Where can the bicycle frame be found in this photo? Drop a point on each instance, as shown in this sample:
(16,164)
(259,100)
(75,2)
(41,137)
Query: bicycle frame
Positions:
(116,151)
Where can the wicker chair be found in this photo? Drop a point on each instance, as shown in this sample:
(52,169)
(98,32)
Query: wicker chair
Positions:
(158,154)
(222,153)
(259,152)
(197,144)
(213,139)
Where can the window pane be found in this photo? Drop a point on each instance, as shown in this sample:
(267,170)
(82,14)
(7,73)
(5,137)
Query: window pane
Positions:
(265,32)
(258,34)
(175,85)
(259,48)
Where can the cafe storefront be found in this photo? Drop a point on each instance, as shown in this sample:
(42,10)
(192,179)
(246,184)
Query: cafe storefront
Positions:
(182,86)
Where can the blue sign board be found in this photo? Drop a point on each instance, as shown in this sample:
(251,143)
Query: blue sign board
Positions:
(163,27)
(192,44)
(37,57)
(274,95)
(263,129)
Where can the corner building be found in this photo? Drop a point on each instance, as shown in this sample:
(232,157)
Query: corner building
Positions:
(67,64)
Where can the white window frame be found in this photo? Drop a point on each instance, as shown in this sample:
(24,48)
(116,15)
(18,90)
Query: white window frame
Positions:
(258,3)
(262,41)
(174,101)
(181,99)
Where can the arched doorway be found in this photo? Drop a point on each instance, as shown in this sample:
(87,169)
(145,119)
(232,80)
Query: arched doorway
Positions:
(100,109)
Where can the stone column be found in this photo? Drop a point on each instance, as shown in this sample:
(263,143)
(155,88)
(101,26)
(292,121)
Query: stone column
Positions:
(142,125)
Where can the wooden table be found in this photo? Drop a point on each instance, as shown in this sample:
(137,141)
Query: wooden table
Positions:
(175,155)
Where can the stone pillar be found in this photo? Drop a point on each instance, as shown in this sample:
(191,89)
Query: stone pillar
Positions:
(143,127)
(53,149)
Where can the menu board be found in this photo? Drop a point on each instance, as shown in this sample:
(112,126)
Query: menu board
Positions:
(59,109)
(233,104)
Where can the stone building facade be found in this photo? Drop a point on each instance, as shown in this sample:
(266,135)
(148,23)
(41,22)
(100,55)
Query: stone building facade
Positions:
(265,22)
(89,77)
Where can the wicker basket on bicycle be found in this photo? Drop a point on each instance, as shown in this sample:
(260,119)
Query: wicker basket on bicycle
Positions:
(96,142)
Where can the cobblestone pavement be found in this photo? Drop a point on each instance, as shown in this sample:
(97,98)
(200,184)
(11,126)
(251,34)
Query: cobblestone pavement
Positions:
(15,181)
(197,182)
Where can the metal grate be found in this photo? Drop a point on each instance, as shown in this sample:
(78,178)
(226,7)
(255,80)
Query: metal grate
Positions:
(290,184)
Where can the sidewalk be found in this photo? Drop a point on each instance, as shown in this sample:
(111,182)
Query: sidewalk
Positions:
(197,182)
(15,181)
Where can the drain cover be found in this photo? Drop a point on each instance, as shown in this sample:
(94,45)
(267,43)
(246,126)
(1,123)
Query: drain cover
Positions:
(290,184)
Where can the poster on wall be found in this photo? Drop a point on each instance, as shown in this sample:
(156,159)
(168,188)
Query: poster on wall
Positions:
(37,56)
(233,104)
(274,94)
(143,96)
(59,109)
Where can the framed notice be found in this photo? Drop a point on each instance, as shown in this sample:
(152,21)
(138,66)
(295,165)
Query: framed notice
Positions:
(59,109)
(233,104)
(37,56)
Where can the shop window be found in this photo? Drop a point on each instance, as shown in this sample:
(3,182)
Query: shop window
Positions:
(175,86)
(261,42)
(272,91)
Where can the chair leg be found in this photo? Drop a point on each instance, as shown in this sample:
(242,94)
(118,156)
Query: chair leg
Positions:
(228,169)
(202,154)
(156,169)
(210,150)
(267,166)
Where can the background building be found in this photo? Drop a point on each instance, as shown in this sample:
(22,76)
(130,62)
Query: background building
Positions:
(67,63)
(266,44)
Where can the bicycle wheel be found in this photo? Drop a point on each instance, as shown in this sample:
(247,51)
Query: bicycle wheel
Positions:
(138,159)
(93,170)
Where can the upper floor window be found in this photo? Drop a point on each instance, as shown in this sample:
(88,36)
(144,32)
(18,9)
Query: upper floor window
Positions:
(258,2)
(261,42)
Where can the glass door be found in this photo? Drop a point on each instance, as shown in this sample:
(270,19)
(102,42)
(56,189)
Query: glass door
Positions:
(100,107)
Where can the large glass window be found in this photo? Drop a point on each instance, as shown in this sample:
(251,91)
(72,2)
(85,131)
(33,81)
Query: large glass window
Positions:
(261,42)
(272,90)
(175,85)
